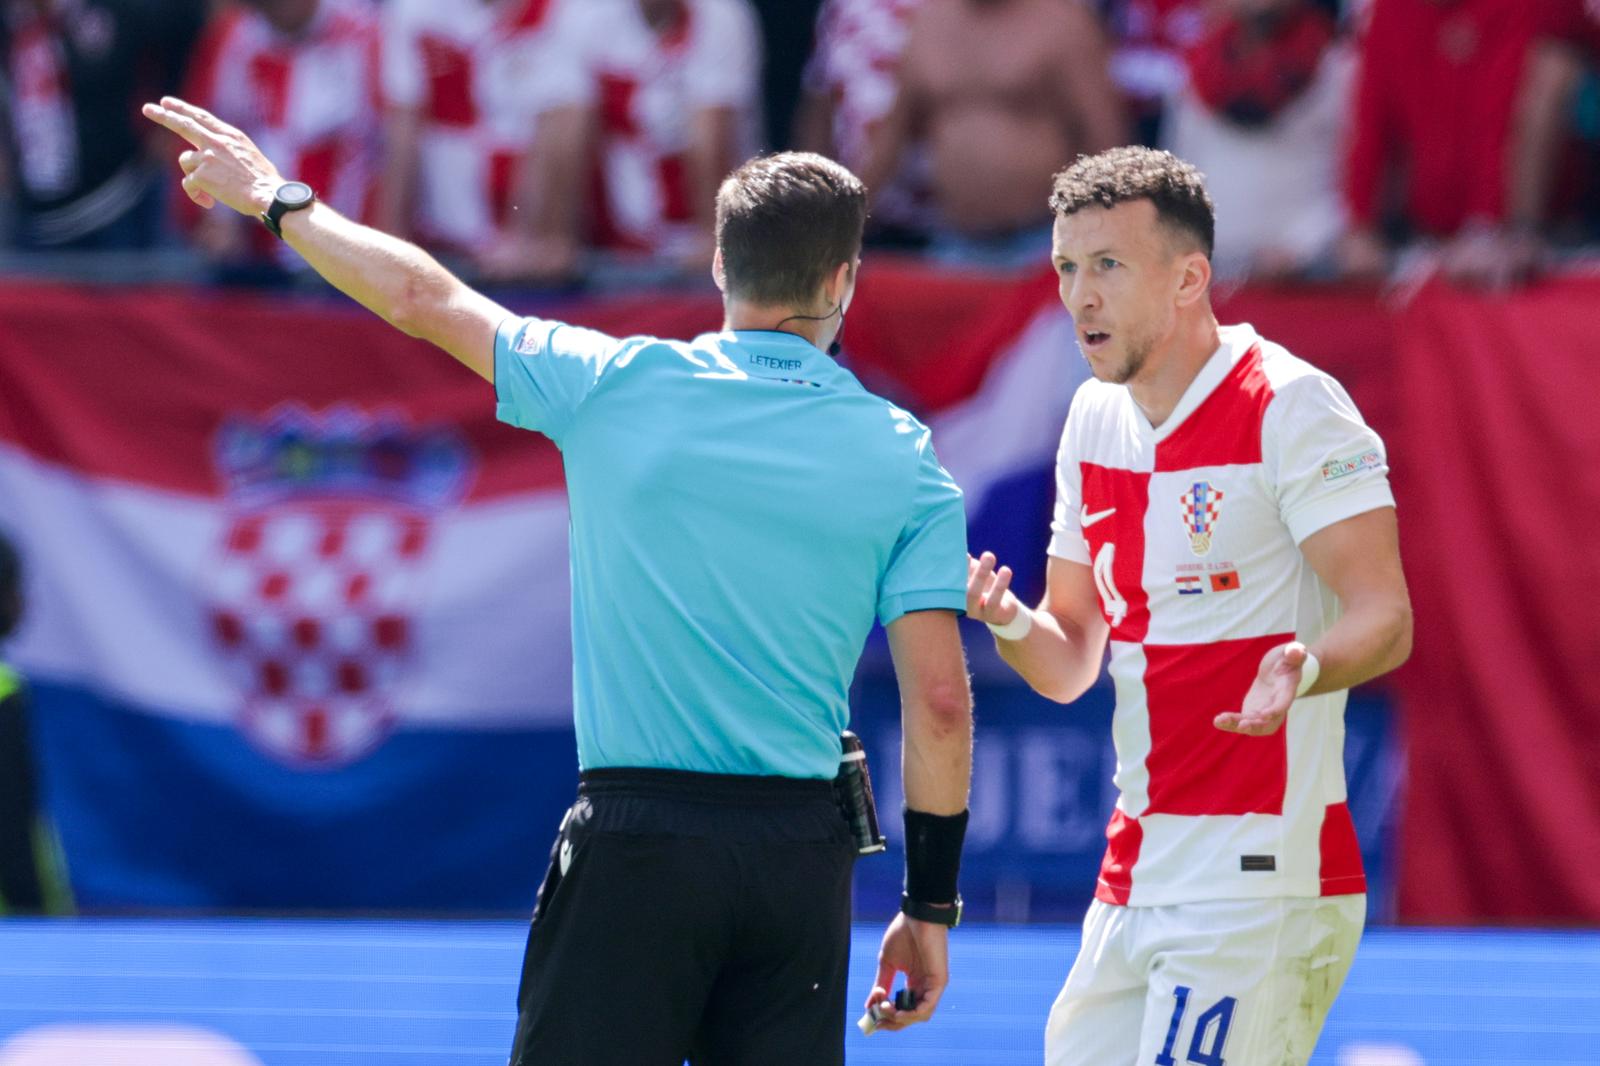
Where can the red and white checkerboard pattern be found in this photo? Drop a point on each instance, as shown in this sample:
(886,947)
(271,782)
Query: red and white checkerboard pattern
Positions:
(312,605)
(1196,804)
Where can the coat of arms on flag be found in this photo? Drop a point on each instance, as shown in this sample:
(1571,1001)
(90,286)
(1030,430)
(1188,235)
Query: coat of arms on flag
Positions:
(1202,505)
(316,587)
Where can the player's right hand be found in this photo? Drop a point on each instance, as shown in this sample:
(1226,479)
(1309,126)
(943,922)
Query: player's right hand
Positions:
(222,165)
(989,596)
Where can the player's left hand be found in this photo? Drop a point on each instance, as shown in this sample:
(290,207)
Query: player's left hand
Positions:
(222,165)
(921,951)
(1267,703)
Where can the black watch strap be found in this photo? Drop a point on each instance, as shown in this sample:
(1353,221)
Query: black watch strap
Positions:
(291,196)
(942,914)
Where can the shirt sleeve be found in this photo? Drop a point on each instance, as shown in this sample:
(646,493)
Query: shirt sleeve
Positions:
(726,65)
(1066,529)
(927,570)
(544,370)
(1327,464)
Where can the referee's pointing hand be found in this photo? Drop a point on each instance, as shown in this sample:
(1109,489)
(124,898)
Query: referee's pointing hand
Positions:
(222,165)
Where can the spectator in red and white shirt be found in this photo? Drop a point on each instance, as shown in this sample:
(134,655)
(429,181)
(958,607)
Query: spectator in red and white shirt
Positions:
(1262,115)
(1438,83)
(673,95)
(1149,40)
(849,88)
(301,78)
(467,85)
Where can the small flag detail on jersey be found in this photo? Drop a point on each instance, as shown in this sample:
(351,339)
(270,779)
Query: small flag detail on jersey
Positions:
(1258,863)
(1189,585)
(1225,581)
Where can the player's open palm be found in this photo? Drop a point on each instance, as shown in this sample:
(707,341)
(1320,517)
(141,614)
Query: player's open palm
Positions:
(1267,703)
(989,596)
(222,165)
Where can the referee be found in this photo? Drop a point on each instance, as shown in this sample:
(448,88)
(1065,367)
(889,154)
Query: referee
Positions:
(742,510)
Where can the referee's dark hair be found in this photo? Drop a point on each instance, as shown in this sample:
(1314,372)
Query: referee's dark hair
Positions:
(1177,189)
(785,222)
(10,588)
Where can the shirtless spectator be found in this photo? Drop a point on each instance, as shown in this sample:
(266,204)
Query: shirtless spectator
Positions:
(848,89)
(300,77)
(470,85)
(1005,92)
(1439,82)
(672,103)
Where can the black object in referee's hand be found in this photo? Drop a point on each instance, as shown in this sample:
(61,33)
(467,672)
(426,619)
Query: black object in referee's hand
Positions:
(853,787)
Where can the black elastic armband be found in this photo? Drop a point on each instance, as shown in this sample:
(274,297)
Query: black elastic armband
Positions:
(933,855)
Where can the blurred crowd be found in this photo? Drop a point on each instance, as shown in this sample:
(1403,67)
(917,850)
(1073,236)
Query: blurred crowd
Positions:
(527,141)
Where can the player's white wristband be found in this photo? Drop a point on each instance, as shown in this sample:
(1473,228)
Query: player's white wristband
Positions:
(1015,629)
(1308,675)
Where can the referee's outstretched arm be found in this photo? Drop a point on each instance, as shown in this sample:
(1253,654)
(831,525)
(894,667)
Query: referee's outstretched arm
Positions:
(394,278)
(936,720)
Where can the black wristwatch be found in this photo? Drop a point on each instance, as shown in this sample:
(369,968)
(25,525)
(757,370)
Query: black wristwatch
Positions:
(291,196)
(927,912)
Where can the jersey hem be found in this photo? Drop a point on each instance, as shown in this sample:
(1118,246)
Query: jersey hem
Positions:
(1080,555)
(1142,896)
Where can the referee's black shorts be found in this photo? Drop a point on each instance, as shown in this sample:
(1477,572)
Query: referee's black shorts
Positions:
(690,916)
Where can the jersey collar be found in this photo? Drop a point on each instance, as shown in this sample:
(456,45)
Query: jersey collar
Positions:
(1236,341)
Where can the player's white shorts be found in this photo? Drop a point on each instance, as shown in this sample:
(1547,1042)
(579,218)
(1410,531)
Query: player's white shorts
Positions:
(1224,983)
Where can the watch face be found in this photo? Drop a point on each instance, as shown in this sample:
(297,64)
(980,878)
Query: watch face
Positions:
(294,194)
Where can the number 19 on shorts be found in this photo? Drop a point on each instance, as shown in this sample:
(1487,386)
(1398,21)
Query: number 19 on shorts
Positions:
(1210,1031)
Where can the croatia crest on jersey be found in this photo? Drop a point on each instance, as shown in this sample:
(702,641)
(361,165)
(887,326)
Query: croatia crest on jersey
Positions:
(1202,506)
(316,584)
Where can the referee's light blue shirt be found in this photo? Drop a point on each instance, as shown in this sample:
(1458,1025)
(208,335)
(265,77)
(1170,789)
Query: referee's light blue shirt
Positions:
(742,509)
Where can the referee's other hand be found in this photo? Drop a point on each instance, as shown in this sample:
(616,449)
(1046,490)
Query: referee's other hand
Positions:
(921,951)
(221,165)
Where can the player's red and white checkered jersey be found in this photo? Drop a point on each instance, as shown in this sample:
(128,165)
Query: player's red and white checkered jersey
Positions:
(478,74)
(310,101)
(649,87)
(1193,530)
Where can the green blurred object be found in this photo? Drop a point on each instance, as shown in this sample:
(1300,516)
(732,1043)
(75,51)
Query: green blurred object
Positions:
(35,857)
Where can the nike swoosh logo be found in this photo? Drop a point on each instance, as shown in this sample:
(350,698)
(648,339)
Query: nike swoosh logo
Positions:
(1086,519)
(566,856)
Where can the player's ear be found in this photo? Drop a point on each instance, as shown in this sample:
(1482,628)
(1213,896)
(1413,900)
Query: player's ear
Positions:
(1195,280)
(717,273)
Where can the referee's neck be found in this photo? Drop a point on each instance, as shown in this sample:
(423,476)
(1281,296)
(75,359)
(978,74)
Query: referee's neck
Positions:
(810,324)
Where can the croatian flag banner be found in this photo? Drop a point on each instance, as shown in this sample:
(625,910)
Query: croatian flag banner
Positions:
(298,608)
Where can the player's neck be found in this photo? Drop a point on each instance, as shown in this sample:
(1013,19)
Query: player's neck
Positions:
(1170,370)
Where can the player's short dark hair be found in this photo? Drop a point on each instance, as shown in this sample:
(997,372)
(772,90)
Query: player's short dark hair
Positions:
(784,223)
(1177,189)
(10,587)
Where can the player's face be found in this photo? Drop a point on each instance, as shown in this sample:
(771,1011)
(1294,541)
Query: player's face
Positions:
(1118,275)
